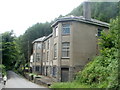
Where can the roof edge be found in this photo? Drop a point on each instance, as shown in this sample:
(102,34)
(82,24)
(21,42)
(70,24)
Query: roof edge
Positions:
(81,19)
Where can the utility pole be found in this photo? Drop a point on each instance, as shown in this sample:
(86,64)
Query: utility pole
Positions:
(1,57)
(28,55)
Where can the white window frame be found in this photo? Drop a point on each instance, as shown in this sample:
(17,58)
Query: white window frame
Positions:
(56,31)
(48,44)
(47,55)
(55,50)
(64,28)
(65,50)
(39,46)
(38,56)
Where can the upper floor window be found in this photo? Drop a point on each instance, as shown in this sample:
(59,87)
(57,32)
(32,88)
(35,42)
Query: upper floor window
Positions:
(99,31)
(37,56)
(65,29)
(65,49)
(47,55)
(39,46)
(48,44)
(56,31)
(43,45)
(43,56)
(55,50)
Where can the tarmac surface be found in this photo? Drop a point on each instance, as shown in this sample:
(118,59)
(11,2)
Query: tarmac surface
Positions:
(16,81)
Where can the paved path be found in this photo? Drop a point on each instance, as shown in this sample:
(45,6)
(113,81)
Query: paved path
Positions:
(16,81)
(1,85)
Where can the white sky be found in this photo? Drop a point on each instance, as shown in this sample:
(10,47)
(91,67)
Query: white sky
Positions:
(18,15)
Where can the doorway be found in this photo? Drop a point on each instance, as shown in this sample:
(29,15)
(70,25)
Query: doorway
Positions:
(64,74)
(46,71)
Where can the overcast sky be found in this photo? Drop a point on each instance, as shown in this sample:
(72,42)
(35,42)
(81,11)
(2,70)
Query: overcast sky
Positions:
(18,15)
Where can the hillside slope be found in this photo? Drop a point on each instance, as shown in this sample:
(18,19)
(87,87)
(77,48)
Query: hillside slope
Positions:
(102,11)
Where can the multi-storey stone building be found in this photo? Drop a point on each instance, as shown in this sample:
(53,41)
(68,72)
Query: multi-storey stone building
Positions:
(37,55)
(72,44)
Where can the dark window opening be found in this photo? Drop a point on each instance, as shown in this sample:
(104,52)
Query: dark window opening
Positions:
(55,50)
(99,31)
(54,71)
(37,68)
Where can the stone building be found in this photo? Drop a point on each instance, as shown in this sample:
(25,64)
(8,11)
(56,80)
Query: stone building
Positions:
(75,42)
(72,44)
(37,55)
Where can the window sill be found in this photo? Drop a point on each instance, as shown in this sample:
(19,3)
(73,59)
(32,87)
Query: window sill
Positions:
(65,34)
(65,58)
(55,36)
(54,76)
(55,58)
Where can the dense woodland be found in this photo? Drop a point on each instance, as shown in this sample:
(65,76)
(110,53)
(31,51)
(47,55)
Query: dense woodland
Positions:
(17,50)
(36,31)
(102,11)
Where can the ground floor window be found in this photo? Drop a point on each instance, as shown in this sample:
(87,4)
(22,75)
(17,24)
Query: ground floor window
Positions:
(43,70)
(54,71)
(37,68)
(51,70)
(46,71)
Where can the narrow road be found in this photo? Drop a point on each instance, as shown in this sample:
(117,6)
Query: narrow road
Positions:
(16,81)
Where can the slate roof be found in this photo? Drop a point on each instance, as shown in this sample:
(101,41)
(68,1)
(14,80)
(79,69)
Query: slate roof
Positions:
(39,39)
(81,19)
(43,38)
(50,35)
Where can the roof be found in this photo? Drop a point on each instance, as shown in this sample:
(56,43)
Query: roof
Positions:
(42,38)
(48,36)
(39,39)
(81,19)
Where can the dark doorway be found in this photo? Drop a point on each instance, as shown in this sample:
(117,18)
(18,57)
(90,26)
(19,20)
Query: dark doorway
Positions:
(46,71)
(64,74)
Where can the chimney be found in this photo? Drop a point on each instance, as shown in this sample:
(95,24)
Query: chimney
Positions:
(87,10)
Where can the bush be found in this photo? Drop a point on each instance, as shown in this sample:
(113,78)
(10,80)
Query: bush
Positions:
(68,85)
(3,68)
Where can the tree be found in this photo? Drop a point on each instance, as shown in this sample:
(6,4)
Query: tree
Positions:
(10,51)
(102,11)
(36,31)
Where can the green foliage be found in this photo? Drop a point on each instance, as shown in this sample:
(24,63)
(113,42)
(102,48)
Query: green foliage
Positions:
(34,32)
(78,11)
(69,85)
(102,71)
(104,68)
(102,11)
(3,68)
(10,51)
